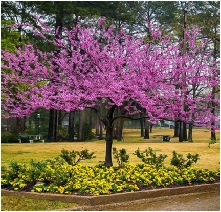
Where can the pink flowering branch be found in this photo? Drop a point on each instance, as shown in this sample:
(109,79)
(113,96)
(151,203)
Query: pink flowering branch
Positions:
(94,64)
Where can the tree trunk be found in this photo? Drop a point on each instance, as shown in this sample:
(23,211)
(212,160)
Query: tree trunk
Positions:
(29,124)
(59,118)
(151,127)
(184,132)
(141,125)
(116,125)
(109,143)
(36,124)
(97,126)
(146,130)
(182,124)
(71,126)
(90,123)
(19,125)
(99,129)
(52,129)
(190,133)
(101,135)
(213,132)
(82,116)
(176,129)
(120,129)
(115,131)
(181,132)
(108,122)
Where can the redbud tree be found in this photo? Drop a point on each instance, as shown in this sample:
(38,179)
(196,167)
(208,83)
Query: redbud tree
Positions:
(101,66)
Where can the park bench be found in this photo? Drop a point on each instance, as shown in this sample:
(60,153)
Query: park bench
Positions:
(30,138)
(98,137)
(165,138)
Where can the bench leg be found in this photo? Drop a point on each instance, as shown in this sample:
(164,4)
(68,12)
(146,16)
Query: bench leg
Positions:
(31,141)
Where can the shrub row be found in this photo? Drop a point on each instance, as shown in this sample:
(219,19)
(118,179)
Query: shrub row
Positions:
(149,156)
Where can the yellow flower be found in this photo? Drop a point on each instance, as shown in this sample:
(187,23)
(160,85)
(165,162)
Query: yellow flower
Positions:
(3,181)
(38,189)
(61,189)
(23,185)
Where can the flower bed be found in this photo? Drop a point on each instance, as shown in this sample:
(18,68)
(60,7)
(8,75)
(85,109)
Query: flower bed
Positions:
(59,177)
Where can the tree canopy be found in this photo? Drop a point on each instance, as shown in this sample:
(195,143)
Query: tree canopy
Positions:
(126,68)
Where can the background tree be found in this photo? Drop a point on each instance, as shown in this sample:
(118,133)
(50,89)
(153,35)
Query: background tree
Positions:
(207,16)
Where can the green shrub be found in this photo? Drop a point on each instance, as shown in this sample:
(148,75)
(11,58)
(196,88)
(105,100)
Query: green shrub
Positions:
(121,156)
(88,135)
(7,137)
(14,169)
(36,169)
(179,161)
(74,157)
(62,133)
(87,131)
(148,156)
(12,173)
(213,141)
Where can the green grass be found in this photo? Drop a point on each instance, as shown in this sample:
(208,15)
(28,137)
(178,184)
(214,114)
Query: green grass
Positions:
(18,203)
(209,158)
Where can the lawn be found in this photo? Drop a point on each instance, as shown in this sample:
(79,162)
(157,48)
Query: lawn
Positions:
(209,157)
(18,203)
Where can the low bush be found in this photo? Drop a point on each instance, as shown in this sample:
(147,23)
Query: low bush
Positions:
(121,156)
(7,137)
(74,157)
(87,132)
(213,141)
(149,156)
(62,133)
(179,161)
